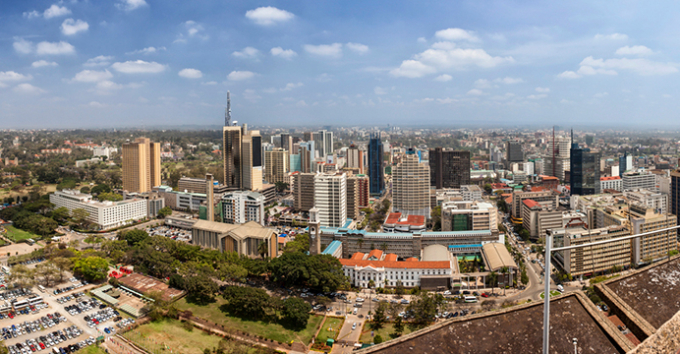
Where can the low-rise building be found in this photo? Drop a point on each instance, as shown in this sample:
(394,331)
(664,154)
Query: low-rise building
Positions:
(105,215)
(243,239)
(612,182)
(463,216)
(241,207)
(636,180)
(595,259)
(397,222)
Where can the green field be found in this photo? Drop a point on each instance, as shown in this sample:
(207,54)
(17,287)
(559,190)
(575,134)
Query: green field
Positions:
(552,293)
(268,330)
(157,336)
(330,329)
(17,235)
(385,332)
(91,349)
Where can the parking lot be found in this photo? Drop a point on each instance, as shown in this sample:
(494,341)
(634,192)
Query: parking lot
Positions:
(171,232)
(59,318)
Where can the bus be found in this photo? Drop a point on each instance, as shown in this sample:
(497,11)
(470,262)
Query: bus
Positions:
(470,299)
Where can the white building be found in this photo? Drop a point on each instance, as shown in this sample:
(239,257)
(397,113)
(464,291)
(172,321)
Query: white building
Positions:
(654,200)
(330,197)
(639,180)
(106,214)
(243,206)
(613,182)
(471,192)
(102,151)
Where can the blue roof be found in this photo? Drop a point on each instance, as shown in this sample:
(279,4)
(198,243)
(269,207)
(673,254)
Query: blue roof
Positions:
(466,246)
(332,247)
(283,235)
(347,223)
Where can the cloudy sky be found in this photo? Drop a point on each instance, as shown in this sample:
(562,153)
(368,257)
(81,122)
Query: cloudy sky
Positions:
(125,63)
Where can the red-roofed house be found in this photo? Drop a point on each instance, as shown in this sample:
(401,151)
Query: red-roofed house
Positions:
(388,273)
(395,222)
(375,255)
(495,187)
(549,182)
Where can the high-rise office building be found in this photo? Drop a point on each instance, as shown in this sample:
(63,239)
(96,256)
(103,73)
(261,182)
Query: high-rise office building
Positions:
(352,197)
(276,165)
(355,158)
(330,197)
(141,165)
(242,154)
(675,194)
(303,191)
(375,165)
(286,142)
(584,176)
(306,152)
(328,143)
(513,151)
(448,168)
(625,163)
(411,186)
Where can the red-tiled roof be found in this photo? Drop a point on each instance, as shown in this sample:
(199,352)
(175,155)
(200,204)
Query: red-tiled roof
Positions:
(498,185)
(530,203)
(393,218)
(391,257)
(508,200)
(610,178)
(412,259)
(415,220)
(538,189)
(358,256)
(397,265)
(377,254)
(548,178)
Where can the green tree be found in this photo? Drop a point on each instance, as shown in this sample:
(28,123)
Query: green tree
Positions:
(109,196)
(133,237)
(377,339)
(296,312)
(85,190)
(399,289)
(164,212)
(398,326)
(487,188)
(93,269)
(379,317)
(493,280)
(424,308)
(61,215)
(67,183)
(436,215)
(79,216)
(247,302)
(100,188)
(201,288)
(524,278)
(262,249)
(299,244)
(281,186)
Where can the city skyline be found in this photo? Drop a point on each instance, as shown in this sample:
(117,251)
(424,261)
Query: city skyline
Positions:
(64,64)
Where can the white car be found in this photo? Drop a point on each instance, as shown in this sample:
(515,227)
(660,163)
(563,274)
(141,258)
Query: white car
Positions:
(360,299)
(447,292)
(354,326)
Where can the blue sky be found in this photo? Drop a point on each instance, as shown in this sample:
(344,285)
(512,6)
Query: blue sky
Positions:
(120,63)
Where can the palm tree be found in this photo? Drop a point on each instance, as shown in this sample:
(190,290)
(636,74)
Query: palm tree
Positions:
(384,246)
(493,279)
(360,242)
(262,249)
(505,271)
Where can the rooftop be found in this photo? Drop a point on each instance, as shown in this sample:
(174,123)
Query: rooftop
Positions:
(531,203)
(610,178)
(146,284)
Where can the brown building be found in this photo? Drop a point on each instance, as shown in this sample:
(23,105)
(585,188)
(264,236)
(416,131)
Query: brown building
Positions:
(141,165)
(448,168)
(352,198)
(303,190)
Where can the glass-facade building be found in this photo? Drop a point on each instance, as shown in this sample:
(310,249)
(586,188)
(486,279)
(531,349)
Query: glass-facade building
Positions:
(375,165)
(585,171)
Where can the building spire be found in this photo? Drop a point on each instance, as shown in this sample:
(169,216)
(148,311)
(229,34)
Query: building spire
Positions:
(227,112)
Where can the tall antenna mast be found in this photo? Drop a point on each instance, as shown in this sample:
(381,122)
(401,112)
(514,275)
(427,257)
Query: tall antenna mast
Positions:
(227,112)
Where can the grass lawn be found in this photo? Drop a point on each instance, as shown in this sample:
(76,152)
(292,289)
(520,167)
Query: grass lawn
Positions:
(155,336)
(91,349)
(552,293)
(385,332)
(268,330)
(332,323)
(17,235)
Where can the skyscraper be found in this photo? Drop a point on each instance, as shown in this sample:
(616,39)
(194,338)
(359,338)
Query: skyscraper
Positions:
(513,151)
(675,194)
(448,168)
(585,171)
(411,186)
(375,165)
(355,158)
(276,165)
(328,143)
(330,197)
(286,142)
(242,154)
(251,158)
(625,163)
(141,165)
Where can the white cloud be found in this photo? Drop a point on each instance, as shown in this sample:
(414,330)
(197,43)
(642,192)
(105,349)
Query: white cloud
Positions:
(129,5)
(358,48)
(101,60)
(106,85)
(482,84)
(6,76)
(209,83)
(589,70)
(422,40)
(423,100)
(324,77)
(96,104)
(283,53)
(138,67)
(326,50)
(250,95)
(537,97)
(301,103)
(28,89)
(70,27)
(247,53)
(447,100)
(543,89)
(240,75)
(92,76)
(640,66)
(456,34)
(147,50)
(475,92)
(379,91)
(54,48)
(443,45)
(601,94)
(443,78)
(291,85)
(31,14)
(267,16)
(193,29)
(568,75)
(509,80)
(56,11)
(612,37)
(43,63)
(634,50)
(22,46)
(412,69)
(190,73)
